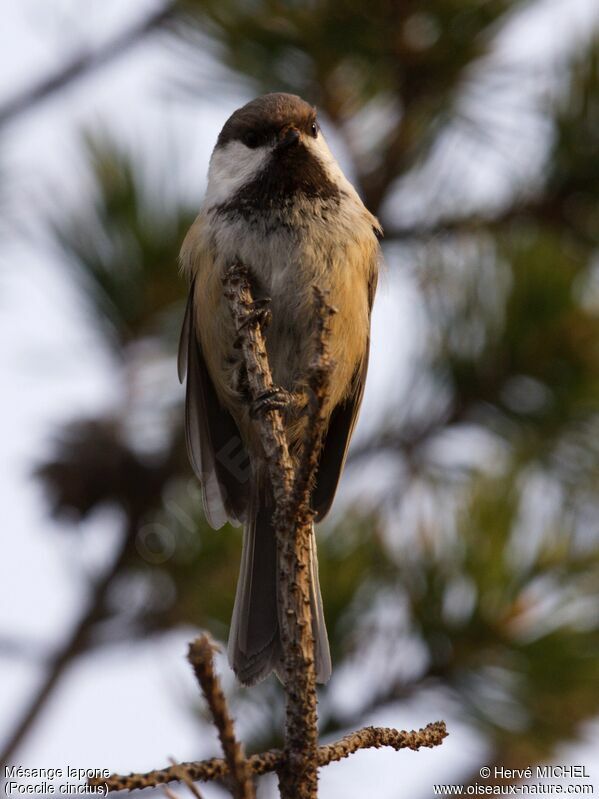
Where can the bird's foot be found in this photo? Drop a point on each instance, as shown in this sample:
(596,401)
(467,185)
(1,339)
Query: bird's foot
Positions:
(273,399)
(258,311)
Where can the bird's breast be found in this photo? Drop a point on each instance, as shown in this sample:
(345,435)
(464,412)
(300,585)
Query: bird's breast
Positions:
(288,252)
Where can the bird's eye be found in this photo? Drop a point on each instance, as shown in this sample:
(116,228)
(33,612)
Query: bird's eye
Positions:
(314,129)
(250,139)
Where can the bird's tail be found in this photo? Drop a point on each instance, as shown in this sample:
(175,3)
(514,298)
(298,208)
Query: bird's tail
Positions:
(254,641)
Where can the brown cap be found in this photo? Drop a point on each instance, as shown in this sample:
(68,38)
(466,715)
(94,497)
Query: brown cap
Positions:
(260,120)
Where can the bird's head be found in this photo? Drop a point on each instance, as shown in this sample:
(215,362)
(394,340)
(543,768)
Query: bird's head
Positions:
(271,151)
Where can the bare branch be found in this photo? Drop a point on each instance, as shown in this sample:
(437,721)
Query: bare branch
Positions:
(247,321)
(217,769)
(319,384)
(293,522)
(201,658)
(169,794)
(374,737)
(295,527)
(181,771)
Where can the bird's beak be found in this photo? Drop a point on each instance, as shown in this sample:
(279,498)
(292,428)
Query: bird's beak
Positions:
(288,137)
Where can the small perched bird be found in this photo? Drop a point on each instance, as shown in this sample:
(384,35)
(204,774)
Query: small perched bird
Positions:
(278,202)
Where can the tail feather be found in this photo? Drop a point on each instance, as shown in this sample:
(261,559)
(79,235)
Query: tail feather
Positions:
(254,641)
(322,653)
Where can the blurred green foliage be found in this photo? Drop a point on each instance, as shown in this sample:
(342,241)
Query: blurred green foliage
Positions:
(126,243)
(347,57)
(478,573)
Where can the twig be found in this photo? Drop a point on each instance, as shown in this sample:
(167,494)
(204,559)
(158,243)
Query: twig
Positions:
(319,383)
(170,794)
(293,518)
(294,522)
(217,768)
(201,658)
(247,321)
(181,771)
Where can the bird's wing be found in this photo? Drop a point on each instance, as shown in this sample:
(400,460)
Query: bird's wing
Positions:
(213,442)
(339,433)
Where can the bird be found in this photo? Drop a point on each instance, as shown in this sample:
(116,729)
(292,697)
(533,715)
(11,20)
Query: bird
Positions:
(278,202)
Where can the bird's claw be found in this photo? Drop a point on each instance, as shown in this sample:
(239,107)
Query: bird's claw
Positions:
(273,399)
(258,311)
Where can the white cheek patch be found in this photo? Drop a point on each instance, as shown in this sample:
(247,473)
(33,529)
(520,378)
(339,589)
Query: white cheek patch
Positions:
(320,150)
(231,167)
